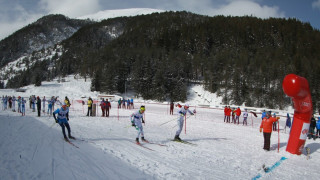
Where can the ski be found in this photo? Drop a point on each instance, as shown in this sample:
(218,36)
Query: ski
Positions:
(139,144)
(308,152)
(68,141)
(269,169)
(154,143)
(184,142)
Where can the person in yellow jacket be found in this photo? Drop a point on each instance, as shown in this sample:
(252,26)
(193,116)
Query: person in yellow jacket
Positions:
(90,102)
(67,101)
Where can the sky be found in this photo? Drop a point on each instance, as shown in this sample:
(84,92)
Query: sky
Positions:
(15,14)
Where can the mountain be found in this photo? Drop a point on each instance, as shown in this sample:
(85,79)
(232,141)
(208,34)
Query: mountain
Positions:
(44,33)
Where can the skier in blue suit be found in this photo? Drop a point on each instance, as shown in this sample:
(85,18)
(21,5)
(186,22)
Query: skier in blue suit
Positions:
(62,119)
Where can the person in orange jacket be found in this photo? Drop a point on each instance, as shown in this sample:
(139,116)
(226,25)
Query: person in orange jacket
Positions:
(238,113)
(266,125)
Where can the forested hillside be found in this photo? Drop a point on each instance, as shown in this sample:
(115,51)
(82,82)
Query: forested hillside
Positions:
(243,59)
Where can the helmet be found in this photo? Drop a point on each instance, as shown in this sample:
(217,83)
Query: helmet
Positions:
(186,105)
(142,108)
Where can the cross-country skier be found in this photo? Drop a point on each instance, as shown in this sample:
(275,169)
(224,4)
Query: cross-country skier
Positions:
(136,121)
(266,125)
(182,112)
(62,119)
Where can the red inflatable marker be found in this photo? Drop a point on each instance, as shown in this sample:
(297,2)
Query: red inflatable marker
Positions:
(297,88)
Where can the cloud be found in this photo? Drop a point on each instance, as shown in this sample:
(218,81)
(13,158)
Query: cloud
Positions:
(14,17)
(316,4)
(70,8)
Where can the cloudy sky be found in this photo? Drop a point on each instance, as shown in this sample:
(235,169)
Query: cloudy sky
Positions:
(15,14)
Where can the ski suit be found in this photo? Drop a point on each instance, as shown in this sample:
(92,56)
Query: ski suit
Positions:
(62,119)
(137,120)
(23,107)
(181,112)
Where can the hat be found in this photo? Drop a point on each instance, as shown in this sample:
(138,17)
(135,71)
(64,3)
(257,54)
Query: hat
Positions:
(142,108)
(186,105)
(64,104)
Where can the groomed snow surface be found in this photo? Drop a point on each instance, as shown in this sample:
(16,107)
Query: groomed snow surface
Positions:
(33,147)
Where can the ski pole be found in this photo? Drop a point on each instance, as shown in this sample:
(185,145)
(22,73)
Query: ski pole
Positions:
(278,137)
(167,122)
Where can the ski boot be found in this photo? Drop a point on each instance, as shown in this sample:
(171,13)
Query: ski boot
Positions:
(71,137)
(144,140)
(177,138)
(137,141)
(65,138)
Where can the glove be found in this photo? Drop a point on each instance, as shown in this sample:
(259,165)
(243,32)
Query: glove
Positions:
(67,119)
(278,118)
(192,114)
(260,129)
(142,121)
(132,124)
(56,120)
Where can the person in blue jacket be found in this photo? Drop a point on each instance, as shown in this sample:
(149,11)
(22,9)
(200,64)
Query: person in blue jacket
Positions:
(318,128)
(62,119)
(264,114)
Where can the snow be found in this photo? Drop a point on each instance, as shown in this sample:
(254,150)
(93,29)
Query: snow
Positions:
(32,147)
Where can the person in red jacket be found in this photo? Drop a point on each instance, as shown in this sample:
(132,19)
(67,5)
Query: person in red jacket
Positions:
(238,113)
(225,113)
(228,114)
(266,125)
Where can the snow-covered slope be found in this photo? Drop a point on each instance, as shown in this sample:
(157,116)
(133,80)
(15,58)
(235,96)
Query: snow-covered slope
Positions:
(32,147)
(106,14)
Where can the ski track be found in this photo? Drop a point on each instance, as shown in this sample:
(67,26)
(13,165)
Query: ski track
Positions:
(223,151)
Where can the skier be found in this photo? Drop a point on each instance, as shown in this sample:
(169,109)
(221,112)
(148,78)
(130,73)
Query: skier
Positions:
(62,119)
(39,106)
(136,121)
(266,125)
(245,116)
(182,113)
